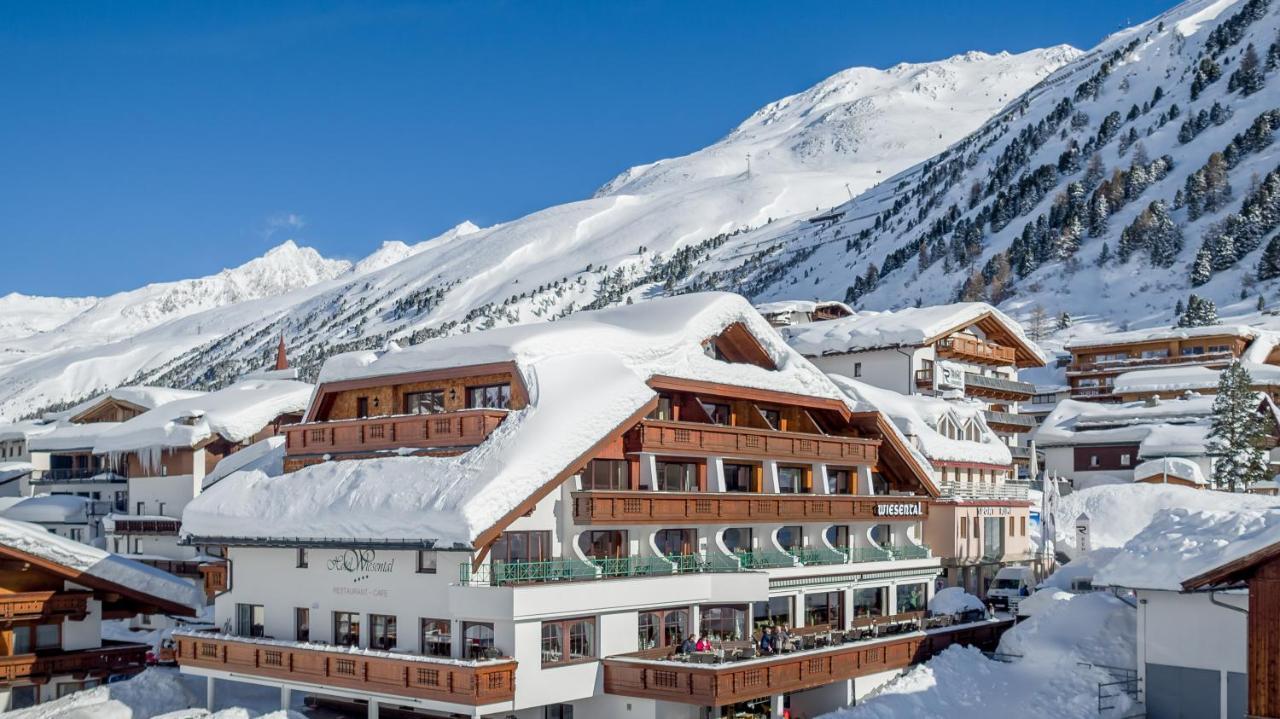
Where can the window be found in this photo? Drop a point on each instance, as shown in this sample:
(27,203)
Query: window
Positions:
(429,402)
(302,558)
(532,546)
(382,631)
(724,623)
(772,417)
(663,628)
(737,539)
(609,474)
(677,477)
(122,501)
(478,638)
(719,413)
(552,643)
(362,407)
(739,478)
(663,410)
(427,561)
(604,543)
(676,542)
(1022,521)
(771,612)
(911,597)
(75,533)
(1093,460)
(1125,460)
(824,608)
(558,711)
(302,624)
(346,629)
(22,697)
(838,536)
(857,369)
(22,640)
(870,601)
(839,481)
(790,537)
(791,480)
(140,508)
(251,620)
(493,396)
(437,638)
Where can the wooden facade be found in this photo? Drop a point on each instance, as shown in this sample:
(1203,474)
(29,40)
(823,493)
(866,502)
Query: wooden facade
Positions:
(722,684)
(1095,366)
(975,351)
(668,437)
(456,431)
(99,663)
(644,507)
(471,684)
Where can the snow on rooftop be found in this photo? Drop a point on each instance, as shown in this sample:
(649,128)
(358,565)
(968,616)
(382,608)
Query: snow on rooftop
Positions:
(38,541)
(773,308)
(1170,466)
(1183,379)
(66,436)
(908,327)
(265,455)
(50,508)
(918,418)
(1075,422)
(12,470)
(585,375)
(235,413)
(1161,333)
(1182,543)
(141,395)
(24,429)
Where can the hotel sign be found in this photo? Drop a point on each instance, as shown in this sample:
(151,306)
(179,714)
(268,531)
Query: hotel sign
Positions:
(361,562)
(900,509)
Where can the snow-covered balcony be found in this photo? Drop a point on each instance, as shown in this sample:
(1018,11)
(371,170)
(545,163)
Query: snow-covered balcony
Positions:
(443,432)
(975,351)
(674,437)
(647,507)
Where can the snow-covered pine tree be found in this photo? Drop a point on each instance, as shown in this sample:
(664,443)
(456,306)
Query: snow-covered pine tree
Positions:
(1269,263)
(1200,312)
(1237,432)
(1201,268)
(1064,321)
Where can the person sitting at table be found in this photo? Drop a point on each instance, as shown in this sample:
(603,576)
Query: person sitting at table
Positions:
(766,642)
(688,645)
(777,640)
(703,645)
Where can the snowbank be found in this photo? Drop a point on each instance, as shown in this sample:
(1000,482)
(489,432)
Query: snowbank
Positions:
(54,509)
(585,376)
(38,541)
(153,693)
(1082,567)
(954,600)
(1041,599)
(1180,544)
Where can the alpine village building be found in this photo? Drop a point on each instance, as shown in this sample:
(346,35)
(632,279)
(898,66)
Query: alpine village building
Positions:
(530,521)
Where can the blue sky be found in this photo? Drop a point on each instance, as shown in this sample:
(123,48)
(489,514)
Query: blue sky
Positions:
(153,141)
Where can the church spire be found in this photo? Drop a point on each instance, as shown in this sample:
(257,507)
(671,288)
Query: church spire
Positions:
(282,361)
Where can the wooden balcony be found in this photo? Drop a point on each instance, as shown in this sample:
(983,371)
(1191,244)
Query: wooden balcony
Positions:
(112,658)
(150,526)
(36,606)
(1129,364)
(443,431)
(713,685)
(666,437)
(974,351)
(1009,422)
(214,576)
(978,385)
(644,507)
(419,677)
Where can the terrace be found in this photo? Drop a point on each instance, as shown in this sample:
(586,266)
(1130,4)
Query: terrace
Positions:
(28,606)
(646,507)
(111,658)
(673,437)
(976,351)
(442,431)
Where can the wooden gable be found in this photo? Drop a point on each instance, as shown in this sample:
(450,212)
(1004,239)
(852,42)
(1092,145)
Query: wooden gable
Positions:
(23,572)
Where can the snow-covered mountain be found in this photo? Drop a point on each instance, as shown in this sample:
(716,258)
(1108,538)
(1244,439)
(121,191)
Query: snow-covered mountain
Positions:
(645,227)
(24,315)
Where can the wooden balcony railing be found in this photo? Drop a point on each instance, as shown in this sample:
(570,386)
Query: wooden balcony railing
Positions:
(126,525)
(1128,364)
(644,507)
(468,683)
(1009,421)
(714,685)
(464,428)
(40,605)
(979,385)
(662,436)
(975,351)
(112,658)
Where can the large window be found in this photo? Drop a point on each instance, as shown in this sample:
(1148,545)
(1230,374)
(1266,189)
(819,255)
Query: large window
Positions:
(302,624)
(719,413)
(428,560)
(429,402)
(437,638)
(911,597)
(838,536)
(791,480)
(27,639)
(790,537)
(663,627)
(614,474)
(676,542)
(772,417)
(251,620)
(739,477)
(570,640)
(604,543)
(663,410)
(738,539)
(478,637)
(840,481)
(532,546)
(771,612)
(493,396)
(824,608)
(677,477)
(870,601)
(346,629)
(382,631)
(724,623)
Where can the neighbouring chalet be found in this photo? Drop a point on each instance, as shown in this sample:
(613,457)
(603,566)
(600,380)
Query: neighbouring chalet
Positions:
(15,453)
(54,595)
(967,350)
(1208,612)
(1121,367)
(1099,443)
(979,523)
(526,522)
(786,313)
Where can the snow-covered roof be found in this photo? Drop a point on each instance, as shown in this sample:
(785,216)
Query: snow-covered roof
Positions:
(265,455)
(1191,378)
(1171,466)
(235,413)
(12,470)
(1162,333)
(1074,422)
(66,436)
(82,559)
(1179,544)
(612,353)
(918,418)
(781,306)
(909,327)
(50,508)
(24,429)
(142,396)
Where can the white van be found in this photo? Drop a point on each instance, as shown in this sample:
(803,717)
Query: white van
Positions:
(1011,583)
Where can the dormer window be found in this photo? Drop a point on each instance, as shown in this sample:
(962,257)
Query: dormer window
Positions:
(492,396)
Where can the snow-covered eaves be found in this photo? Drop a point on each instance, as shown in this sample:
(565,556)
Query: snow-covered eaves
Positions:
(1189,379)
(142,397)
(1178,467)
(97,568)
(65,437)
(265,455)
(587,379)
(909,327)
(1154,335)
(1074,422)
(234,413)
(24,430)
(50,509)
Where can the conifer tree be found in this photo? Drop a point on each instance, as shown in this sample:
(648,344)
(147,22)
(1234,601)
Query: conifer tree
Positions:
(1064,321)
(1201,268)
(1269,263)
(1237,432)
(1200,312)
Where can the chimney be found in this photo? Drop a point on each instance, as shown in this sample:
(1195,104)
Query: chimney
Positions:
(282,361)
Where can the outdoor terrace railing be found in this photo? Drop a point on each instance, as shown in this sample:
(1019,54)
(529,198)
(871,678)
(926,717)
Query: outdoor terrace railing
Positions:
(41,605)
(1019,422)
(111,658)
(462,428)
(984,490)
(975,350)
(80,475)
(648,507)
(714,439)
(1129,363)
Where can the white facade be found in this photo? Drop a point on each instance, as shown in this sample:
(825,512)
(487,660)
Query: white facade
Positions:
(1191,652)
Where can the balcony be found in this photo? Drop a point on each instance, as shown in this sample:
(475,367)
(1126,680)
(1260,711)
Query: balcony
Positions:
(81,475)
(137,525)
(974,351)
(36,606)
(111,658)
(1087,393)
(977,385)
(1009,422)
(1133,363)
(443,431)
(667,437)
(718,681)
(984,490)
(477,683)
(644,507)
